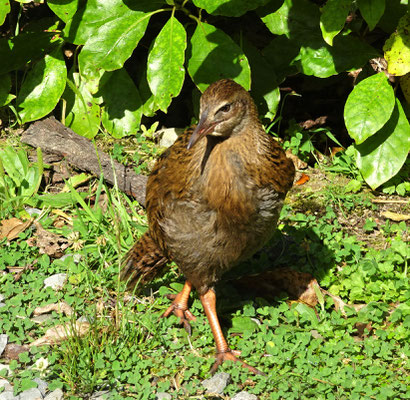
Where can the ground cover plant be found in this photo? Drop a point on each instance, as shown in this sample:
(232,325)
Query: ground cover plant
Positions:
(330,80)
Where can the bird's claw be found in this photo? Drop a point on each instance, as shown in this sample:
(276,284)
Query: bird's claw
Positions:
(231,355)
(181,311)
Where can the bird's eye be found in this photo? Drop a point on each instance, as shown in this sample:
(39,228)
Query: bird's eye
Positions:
(225,108)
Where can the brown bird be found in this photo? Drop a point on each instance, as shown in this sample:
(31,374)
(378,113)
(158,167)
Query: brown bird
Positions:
(213,200)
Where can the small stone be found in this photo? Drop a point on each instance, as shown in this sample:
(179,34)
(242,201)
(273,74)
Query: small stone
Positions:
(217,383)
(32,211)
(40,319)
(2,304)
(244,396)
(169,135)
(8,396)
(41,386)
(101,395)
(2,297)
(4,383)
(163,396)
(3,342)
(55,281)
(55,395)
(31,394)
(6,367)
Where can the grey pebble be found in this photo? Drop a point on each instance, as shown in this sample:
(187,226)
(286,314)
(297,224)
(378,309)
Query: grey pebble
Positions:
(163,396)
(3,342)
(31,394)
(2,297)
(55,281)
(2,304)
(6,384)
(217,383)
(244,396)
(55,395)
(32,211)
(8,396)
(101,395)
(41,386)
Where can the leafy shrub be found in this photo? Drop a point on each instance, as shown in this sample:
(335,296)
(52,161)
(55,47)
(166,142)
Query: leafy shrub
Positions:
(113,62)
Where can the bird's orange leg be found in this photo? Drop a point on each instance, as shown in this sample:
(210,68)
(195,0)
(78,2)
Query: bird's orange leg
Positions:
(223,351)
(179,307)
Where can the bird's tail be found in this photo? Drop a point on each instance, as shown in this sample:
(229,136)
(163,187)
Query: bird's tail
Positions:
(143,262)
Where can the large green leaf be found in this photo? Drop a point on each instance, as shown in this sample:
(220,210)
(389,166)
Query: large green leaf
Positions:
(4,10)
(282,54)
(214,55)
(295,18)
(88,21)
(265,90)
(368,107)
(381,156)
(5,86)
(83,110)
(333,18)
(112,44)
(165,69)
(372,11)
(43,87)
(229,8)
(347,53)
(397,48)
(122,104)
(65,9)
(15,53)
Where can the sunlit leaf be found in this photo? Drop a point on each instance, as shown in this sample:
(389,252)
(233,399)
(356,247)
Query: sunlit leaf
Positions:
(368,107)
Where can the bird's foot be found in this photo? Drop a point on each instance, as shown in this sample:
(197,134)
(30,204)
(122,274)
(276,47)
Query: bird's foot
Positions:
(179,307)
(232,356)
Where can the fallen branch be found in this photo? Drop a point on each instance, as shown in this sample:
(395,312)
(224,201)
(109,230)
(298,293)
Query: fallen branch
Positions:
(53,137)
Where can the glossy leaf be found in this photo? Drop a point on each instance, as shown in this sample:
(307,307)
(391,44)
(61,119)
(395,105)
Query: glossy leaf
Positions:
(83,110)
(43,87)
(214,55)
(287,63)
(165,69)
(372,11)
(112,44)
(88,21)
(397,48)
(265,90)
(65,9)
(4,10)
(347,53)
(368,107)
(295,18)
(5,86)
(333,18)
(15,53)
(229,8)
(122,110)
(381,156)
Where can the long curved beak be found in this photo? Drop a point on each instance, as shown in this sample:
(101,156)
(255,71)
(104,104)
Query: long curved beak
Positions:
(201,130)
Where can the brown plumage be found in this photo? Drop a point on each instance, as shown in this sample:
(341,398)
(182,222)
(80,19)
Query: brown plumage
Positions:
(213,200)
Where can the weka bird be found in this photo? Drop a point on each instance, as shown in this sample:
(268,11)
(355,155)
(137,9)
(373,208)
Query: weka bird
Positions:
(213,200)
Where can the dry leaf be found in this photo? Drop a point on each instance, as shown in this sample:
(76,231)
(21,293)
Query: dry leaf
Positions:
(61,307)
(62,332)
(11,228)
(298,163)
(395,217)
(50,243)
(298,285)
(302,180)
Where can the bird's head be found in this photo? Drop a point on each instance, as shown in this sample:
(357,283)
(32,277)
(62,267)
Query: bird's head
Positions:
(224,107)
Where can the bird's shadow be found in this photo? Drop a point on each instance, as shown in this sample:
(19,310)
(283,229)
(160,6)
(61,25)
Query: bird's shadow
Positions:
(269,276)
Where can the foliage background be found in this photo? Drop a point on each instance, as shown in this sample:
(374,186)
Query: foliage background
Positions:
(109,65)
